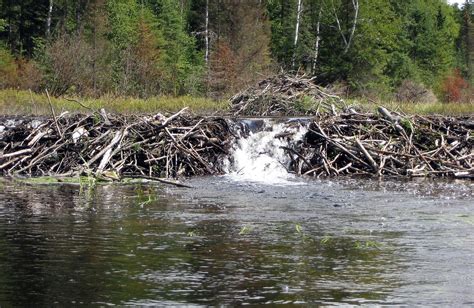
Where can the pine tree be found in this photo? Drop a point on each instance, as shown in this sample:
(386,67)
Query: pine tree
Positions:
(468,38)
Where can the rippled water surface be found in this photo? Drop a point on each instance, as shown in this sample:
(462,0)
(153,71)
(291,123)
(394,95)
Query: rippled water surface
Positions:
(231,242)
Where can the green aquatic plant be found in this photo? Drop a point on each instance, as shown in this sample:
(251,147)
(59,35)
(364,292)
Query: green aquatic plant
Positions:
(148,201)
(245,230)
(87,186)
(88,182)
(298,229)
(325,240)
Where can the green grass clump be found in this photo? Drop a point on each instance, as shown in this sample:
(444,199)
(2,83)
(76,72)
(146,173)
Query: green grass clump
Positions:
(25,102)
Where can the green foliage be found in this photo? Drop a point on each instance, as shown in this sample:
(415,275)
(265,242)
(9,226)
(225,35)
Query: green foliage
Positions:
(8,69)
(3,25)
(179,57)
(123,16)
(156,47)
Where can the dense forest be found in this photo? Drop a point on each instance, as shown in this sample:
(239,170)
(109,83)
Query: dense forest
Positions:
(379,49)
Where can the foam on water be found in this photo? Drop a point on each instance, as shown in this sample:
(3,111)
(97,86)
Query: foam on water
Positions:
(260,157)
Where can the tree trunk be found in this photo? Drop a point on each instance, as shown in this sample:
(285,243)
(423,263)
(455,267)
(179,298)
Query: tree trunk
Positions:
(206,57)
(318,39)
(355,4)
(48,20)
(297,29)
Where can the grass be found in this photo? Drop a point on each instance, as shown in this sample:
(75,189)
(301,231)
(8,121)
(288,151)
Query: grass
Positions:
(454,109)
(15,102)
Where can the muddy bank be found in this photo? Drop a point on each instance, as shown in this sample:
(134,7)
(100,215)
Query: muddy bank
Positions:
(182,144)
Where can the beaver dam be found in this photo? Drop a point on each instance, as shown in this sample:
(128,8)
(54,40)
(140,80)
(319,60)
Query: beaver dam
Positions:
(113,146)
(333,139)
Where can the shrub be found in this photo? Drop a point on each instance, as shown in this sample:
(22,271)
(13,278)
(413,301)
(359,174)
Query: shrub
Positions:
(8,69)
(413,92)
(29,75)
(67,63)
(453,86)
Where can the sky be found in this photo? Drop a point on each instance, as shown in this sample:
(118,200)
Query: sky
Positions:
(456,1)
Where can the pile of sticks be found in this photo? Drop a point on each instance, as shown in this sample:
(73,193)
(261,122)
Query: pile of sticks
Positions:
(285,95)
(113,146)
(387,144)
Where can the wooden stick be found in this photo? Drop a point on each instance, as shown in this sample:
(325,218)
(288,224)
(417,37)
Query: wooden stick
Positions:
(54,114)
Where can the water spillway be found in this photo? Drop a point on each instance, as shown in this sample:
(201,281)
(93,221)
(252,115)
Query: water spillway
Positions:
(259,155)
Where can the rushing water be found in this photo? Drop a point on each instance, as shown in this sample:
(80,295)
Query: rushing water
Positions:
(245,238)
(260,156)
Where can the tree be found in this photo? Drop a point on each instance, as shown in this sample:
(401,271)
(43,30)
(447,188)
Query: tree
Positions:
(243,35)
(467,39)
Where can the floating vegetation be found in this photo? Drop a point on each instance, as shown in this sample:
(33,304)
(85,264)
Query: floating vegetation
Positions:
(245,230)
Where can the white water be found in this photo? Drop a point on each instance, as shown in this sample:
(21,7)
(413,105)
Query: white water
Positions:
(260,158)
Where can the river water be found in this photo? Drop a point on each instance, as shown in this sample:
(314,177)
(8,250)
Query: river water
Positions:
(226,241)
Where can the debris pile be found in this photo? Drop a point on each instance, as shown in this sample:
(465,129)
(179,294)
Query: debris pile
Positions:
(388,144)
(285,95)
(113,145)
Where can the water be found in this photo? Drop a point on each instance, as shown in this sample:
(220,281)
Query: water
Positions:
(228,242)
(248,237)
(260,156)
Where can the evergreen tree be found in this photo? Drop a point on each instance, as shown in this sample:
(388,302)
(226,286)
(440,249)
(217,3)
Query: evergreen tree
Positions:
(467,39)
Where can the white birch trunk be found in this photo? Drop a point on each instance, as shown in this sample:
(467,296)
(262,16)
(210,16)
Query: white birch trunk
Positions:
(297,30)
(355,4)
(206,57)
(48,20)
(339,25)
(318,39)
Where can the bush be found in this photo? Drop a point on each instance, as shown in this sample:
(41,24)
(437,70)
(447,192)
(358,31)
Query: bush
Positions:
(68,65)
(453,86)
(29,75)
(413,92)
(18,73)
(8,69)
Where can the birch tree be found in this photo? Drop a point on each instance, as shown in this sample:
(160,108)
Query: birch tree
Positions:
(347,37)
(206,33)
(48,19)
(297,29)
(318,38)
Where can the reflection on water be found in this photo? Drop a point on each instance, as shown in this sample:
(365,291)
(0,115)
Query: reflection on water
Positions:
(226,242)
